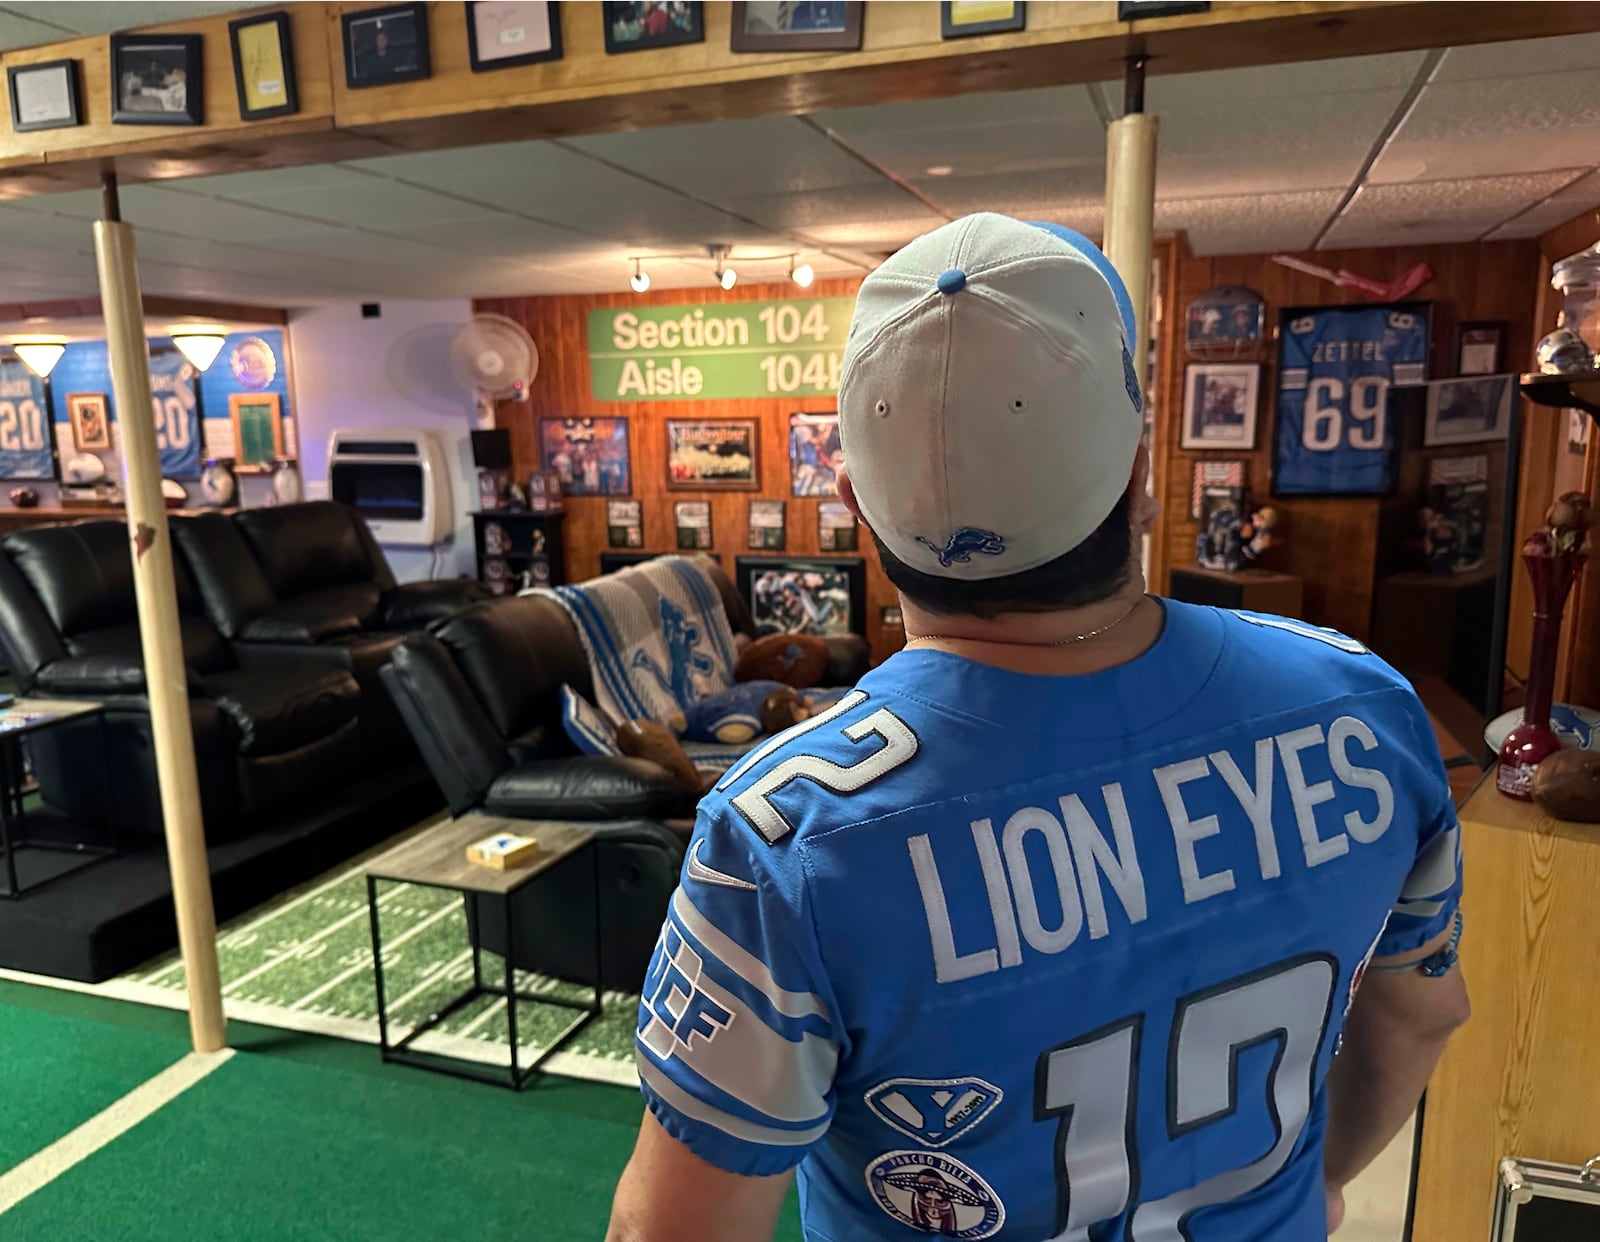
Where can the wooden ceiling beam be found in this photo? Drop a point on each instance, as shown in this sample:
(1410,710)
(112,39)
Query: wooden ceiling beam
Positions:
(902,58)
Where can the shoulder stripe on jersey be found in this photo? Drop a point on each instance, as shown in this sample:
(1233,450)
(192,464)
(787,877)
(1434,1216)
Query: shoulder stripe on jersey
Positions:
(680,1101)
(852,700)
(746,965)
(1435,871)
(1314,632)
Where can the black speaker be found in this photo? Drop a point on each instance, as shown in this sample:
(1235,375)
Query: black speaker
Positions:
(491,450)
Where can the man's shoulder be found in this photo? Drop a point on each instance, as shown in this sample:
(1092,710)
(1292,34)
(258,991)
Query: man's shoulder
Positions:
(1289,645)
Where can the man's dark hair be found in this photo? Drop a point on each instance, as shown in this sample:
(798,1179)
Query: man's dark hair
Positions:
(1094,570)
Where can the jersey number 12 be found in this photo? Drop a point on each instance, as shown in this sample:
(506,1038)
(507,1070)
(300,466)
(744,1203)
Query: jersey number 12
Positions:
(1090,1084)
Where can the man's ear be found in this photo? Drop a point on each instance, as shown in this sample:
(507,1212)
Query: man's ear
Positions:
(847,492)
(1145,508)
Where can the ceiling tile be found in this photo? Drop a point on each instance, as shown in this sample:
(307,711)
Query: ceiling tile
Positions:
(1061,188)
(104,16)
(1250,223)
(784,213)
(1502,125)
(1524,56)
(874,235)
(1582,195)
(25,32)
(780,153)
(1347,75)
(1464,210)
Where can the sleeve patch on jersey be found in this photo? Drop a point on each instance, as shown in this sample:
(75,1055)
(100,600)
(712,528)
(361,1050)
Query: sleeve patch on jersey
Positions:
(934,1111)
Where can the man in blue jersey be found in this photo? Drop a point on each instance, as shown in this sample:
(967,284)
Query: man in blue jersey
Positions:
(1052,927)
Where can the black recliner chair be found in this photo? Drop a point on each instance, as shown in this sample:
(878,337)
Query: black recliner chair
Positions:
(310,580)
(268,729)
(481,695)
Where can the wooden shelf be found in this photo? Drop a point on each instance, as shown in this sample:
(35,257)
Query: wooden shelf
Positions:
(1573,392)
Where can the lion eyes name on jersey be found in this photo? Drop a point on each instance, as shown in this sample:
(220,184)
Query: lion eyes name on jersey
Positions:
(1084,857)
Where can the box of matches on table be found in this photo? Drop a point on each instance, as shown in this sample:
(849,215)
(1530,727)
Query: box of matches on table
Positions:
(503,851)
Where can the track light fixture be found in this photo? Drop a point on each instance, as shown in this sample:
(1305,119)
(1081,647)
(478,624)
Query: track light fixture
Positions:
(802,275)
(727,277)
(640,280)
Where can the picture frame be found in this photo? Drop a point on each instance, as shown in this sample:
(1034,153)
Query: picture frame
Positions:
(90,416)
(759,26)
(1220,400)
(891,615)
(625,523)
(1210,472)
(44,96)
(692,519)
(768,525)
(825,596)
(961,19)
(157,79)
(1475,410)
(502,34)
(836,527)
(369,34)
(1480,347)
(1224,324)
(590,455)
(815,454)
(626,25)
(263,66)
(257,419)
(713,454)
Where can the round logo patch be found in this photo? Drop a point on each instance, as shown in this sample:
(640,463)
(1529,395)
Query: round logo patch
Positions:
(935,1194)
(253,363)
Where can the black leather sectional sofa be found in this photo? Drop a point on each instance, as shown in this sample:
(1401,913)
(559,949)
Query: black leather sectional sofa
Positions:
(286,615)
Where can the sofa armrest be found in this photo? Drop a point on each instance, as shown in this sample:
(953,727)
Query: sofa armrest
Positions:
(304,627)
(588,787)
(81,676)
(849,658)
(457,739)
(419,604)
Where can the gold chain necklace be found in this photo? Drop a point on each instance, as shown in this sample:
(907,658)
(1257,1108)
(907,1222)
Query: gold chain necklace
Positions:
(1060,642)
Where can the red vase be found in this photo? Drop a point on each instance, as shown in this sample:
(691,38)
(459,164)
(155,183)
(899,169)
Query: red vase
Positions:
(1533,741)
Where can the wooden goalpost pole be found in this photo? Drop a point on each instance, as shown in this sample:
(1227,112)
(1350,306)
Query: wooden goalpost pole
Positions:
(1131,203)
(165,679)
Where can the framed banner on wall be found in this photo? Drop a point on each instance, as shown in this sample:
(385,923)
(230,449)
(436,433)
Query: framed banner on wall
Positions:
(1336,365)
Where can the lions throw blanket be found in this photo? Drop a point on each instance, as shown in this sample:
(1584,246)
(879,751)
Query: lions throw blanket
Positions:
(656,636)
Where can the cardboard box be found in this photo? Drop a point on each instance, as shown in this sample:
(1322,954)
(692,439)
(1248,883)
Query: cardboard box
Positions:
(503,851)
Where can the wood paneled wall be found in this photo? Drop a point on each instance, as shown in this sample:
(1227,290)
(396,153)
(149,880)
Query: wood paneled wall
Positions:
(559,326)
(1333,543)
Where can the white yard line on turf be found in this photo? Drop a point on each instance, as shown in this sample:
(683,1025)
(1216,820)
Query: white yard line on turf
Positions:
(292,953)
(42,1168)
(429,980)
(344,976)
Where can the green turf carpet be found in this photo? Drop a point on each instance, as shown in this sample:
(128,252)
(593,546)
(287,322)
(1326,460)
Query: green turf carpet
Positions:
(273,1149)
(303,962)
(59,1072)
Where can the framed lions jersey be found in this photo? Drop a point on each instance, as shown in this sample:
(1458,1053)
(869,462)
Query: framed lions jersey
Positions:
(24,432)
(1335,367)
(174,400)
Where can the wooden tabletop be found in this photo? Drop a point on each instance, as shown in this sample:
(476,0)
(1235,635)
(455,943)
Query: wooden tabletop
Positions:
(439,855)
(15,719)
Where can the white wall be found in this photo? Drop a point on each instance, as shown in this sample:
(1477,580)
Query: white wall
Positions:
(393,371)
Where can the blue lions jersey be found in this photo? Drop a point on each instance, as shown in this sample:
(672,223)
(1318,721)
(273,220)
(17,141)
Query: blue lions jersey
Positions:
(991,955)
(1335,367)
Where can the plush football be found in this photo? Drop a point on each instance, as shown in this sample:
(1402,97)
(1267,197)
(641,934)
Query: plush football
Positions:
(798,660)
(732,716)
(1567,785)
(649,739)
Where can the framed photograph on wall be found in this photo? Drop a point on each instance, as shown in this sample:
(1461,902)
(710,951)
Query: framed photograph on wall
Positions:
(814,454)
(156,79)
(1219,405)
(961,18)
(44,96)
(826,597)
(1480,348)
(625,523)
(836,527)
(590,455)
(768,530)
(1468,411)
(693,521)
(91,422)
(257,431)
(783,26)
(263,66)
(387,45)
(712,454)
(1208,473)
(639,25)
(505,33)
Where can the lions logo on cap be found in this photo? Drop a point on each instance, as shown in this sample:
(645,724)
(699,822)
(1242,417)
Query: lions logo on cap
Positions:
(1130,379)
(962,545)
(935,1194)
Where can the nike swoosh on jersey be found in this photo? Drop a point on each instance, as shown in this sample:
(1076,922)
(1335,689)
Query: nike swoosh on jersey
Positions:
(707,875)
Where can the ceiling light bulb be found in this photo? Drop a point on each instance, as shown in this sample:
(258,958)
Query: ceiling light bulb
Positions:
(727,277)
(803,275)
(200,348)
(40,357)
(640,280)
(939,170)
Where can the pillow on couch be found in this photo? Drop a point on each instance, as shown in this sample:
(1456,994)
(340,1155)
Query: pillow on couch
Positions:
(798,660)
(591,730)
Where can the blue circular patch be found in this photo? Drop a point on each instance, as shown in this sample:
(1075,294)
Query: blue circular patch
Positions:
(952,281)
